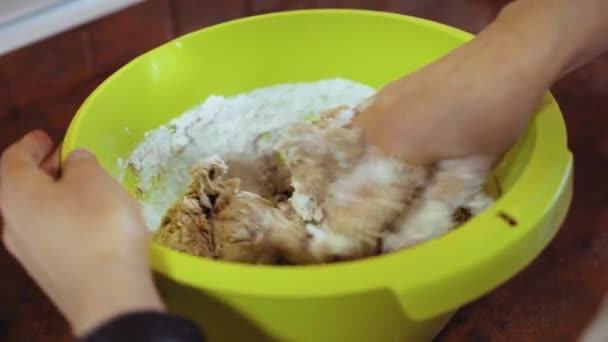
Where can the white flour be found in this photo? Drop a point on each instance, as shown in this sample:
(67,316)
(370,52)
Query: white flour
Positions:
(231,128)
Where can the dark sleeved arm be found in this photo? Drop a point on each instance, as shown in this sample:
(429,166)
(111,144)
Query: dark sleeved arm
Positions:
(146,327)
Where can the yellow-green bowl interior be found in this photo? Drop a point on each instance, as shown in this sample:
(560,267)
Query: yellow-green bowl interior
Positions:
(369,47)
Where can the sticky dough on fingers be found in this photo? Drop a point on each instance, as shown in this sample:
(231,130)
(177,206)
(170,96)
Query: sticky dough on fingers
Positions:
(454,185)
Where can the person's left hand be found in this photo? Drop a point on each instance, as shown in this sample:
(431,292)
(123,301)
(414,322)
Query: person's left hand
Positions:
(79,234)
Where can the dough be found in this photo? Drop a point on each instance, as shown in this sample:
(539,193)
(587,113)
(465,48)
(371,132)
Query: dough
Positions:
(323,196)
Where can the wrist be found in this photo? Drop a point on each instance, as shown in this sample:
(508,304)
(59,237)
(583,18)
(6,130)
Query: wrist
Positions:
(105,299)
(568,33)
(532,32)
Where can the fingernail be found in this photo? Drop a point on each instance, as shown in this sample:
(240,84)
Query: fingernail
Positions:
(80,154)
(38,136)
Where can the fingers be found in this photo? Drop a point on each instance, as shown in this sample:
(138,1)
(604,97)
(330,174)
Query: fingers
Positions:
(37,145)
(456,181)
(8,240)
(20,163)
(52,163)
(81,168)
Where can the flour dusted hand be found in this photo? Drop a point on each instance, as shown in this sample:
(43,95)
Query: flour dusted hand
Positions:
(346,192)
(334,199)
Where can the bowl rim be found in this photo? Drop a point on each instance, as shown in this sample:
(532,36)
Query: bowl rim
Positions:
(549,169)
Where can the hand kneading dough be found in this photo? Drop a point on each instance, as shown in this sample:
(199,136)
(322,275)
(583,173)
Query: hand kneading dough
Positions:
(346,201)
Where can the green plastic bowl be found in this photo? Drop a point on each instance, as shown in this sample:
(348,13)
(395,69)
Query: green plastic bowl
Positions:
(404,296)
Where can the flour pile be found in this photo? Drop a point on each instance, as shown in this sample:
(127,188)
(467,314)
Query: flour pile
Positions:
(275,177)
(238,128)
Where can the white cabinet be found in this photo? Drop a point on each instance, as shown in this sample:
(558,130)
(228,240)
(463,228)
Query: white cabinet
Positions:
(14,9)
(24,22)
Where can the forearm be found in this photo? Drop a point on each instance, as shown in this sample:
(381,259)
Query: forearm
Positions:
(481,96)
(565,33)
(531,45)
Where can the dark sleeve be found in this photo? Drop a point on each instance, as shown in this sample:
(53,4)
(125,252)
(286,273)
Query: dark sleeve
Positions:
(146,327)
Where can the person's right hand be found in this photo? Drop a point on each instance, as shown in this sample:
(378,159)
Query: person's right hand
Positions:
(461,113)
(79,234)
(471,104)
(474,103)
(464,111)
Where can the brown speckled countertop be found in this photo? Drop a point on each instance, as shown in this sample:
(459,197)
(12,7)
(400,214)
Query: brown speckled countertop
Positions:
(41,86)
